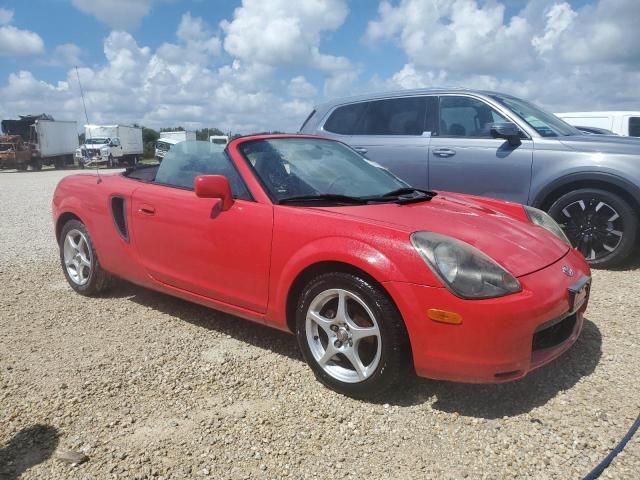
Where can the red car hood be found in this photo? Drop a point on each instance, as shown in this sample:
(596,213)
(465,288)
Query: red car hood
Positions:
(515,244)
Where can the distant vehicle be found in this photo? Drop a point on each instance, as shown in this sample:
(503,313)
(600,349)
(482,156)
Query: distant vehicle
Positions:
(496,145)
(14,152)
(169,139)
(111,145)
(52,142)
(376,278)
(625,123)
(594,130)
(219,139)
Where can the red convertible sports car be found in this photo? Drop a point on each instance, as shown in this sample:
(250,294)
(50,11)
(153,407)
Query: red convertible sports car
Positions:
(303,234)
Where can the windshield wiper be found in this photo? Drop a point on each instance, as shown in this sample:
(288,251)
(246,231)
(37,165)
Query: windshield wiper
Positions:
(402,196)
(408,190)
(326,197)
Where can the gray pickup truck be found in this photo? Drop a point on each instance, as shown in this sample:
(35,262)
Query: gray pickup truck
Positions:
(497,145)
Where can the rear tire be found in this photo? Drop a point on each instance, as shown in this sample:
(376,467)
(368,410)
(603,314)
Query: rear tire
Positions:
(59,163)
(600,224)
(361,350)
(80,262)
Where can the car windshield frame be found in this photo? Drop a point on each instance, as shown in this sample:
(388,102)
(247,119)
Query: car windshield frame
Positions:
(277,198)
(552,126)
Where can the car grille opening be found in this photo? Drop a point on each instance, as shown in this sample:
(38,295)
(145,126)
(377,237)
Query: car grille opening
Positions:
(548,336)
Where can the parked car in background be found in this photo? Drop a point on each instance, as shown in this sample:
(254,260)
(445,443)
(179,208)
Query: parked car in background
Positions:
(169,139)
(497,145)
(594,130)
(51,142)
(625,123)
(111,145)
(300,233)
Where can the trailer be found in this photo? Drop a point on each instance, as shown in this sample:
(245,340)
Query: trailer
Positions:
(51,142)
(110,145)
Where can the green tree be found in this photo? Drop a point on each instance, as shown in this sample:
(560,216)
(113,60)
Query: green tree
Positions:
(149,138)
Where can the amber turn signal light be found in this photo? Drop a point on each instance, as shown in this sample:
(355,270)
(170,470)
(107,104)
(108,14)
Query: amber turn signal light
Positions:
(443,316)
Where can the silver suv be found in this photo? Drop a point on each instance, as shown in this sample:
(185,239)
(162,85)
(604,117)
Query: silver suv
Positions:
(496,145)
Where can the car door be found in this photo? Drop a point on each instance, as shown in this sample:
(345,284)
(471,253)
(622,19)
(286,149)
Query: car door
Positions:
(392,132)
(188,243)
(463,157)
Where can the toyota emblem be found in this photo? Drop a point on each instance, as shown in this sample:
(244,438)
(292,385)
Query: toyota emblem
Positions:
(567,270)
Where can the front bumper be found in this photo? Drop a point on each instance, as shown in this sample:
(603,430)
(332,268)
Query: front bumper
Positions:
(499,339)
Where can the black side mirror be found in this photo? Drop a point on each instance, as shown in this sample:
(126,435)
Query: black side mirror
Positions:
(507,130)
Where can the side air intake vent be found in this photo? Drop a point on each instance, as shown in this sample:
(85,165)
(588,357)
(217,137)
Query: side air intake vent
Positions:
(118,205)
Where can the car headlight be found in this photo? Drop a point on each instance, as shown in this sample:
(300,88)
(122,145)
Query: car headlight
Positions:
(465,270)
(544,220)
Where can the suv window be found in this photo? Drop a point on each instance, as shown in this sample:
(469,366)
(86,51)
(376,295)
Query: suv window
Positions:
(344,119)
(634,126)
(186,160)
(395,116)
(466,117)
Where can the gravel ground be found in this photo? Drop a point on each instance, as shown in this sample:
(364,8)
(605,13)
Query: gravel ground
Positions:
(146,385)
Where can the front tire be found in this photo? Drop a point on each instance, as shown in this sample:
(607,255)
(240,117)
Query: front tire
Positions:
(600,224)
(352,335)
(80,262)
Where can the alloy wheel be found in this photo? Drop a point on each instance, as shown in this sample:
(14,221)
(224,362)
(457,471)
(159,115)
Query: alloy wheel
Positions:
(594,227)
(78,259)
(343,335)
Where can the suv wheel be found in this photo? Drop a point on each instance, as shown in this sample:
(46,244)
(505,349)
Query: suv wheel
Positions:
(600,224)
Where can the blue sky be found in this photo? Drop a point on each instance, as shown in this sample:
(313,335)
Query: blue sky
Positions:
(263,64)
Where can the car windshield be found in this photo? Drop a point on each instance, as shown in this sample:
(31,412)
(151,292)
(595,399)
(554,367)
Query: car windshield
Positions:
(316,168)
(163,146)
(545,123)
(97,141)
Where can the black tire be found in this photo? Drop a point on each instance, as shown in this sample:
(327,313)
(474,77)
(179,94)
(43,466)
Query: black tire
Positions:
(395,352)
(36,165)
(600,224)
(98,280)
(59,163)
(110,163)
(22,166)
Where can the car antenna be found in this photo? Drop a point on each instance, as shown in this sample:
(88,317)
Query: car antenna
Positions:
(84,105)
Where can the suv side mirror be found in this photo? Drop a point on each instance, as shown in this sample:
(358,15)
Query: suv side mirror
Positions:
(507,130)
(214,186)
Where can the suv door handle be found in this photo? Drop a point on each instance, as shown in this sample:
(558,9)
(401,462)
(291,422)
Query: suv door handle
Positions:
(147,210)
(444,152)
(360,150)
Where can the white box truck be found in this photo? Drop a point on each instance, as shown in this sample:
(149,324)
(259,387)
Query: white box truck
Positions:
(52,142)
(169,139)
(625,123)
(111,145)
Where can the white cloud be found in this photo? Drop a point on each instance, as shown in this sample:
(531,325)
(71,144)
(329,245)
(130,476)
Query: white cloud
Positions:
(282,32)
(6,16)
(299,87)
(66,54)
(559,56)
(559,18)
(14,41)
(455,34)
(196,43)
(119,14)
